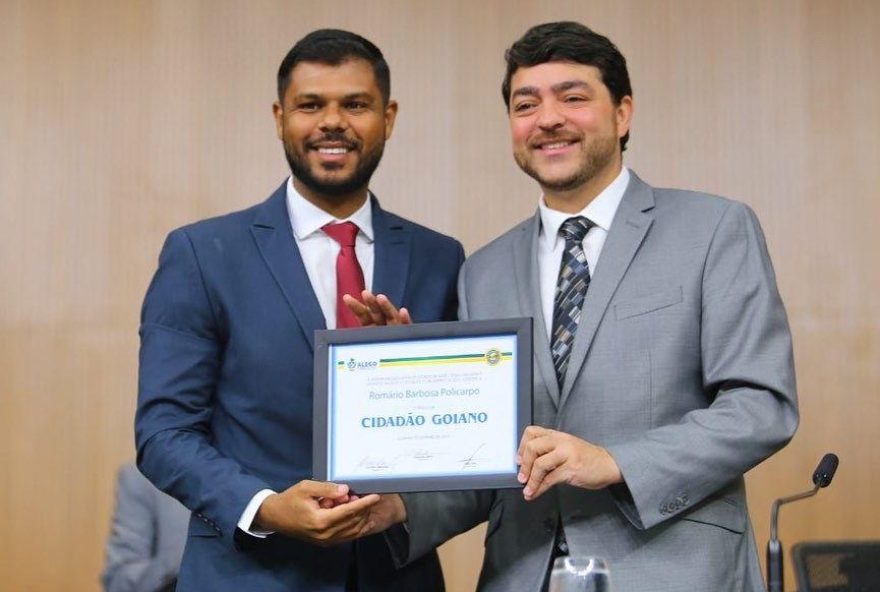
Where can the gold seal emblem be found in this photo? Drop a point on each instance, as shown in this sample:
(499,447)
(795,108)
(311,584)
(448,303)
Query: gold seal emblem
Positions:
(493,356)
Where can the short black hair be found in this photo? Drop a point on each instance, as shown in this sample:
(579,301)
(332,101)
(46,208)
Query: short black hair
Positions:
(333,47)
(568,41)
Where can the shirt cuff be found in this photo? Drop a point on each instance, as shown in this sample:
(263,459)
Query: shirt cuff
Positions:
(250,512)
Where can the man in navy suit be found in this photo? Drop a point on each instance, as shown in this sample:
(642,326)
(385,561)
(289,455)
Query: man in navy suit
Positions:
(224,418)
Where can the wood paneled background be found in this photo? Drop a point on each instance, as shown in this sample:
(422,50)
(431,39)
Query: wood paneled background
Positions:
(122,120)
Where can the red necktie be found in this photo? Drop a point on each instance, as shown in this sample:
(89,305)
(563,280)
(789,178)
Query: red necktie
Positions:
(349,275)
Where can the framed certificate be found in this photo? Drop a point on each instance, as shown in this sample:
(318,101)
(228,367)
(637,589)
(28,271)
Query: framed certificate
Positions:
(423,407)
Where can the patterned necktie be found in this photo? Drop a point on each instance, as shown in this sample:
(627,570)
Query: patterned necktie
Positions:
(349,275)
(571,289)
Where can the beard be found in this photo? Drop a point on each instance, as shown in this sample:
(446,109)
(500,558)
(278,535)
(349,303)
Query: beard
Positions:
(594,158)
(334,187)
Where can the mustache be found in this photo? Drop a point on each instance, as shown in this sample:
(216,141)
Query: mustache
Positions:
(335,138)
(548,137)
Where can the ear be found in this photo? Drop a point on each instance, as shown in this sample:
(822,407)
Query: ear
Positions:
(278,113)
(623,114)
(390,117)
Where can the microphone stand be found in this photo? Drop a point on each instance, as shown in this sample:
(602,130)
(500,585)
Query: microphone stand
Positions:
(774,545)
(821,478)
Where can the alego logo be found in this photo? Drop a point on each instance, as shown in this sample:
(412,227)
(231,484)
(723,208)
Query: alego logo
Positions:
(353,364)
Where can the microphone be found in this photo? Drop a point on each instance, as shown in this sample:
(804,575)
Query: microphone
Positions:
(825,471)
(822,477)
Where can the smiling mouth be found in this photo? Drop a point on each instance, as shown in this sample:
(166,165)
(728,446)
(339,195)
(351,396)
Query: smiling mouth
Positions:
(333,151)
(332,144)
(550,146)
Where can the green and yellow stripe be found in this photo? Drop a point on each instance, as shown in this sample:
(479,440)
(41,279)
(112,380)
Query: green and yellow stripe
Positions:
(440,360)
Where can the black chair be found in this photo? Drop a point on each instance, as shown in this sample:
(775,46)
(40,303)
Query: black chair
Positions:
(837,566)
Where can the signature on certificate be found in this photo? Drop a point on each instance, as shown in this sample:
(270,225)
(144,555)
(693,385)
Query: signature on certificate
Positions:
(377,465)
(472,460)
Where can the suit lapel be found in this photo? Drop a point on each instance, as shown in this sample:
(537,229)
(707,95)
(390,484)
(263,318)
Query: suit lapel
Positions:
(391,255)
(525,256)
(631,223)
(274,237)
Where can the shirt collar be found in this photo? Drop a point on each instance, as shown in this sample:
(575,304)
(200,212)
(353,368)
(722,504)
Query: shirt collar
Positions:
(600,211)
(306,218)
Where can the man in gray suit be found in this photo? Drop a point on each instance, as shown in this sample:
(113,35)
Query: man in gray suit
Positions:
(663,355)
(146,538)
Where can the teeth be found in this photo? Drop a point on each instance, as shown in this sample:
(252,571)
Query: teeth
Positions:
(554,145)
(332,150)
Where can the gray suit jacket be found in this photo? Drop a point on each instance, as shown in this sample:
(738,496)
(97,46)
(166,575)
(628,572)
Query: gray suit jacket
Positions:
(146,538)
(682,367)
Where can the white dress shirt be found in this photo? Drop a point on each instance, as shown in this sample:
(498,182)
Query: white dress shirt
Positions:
(600,212)
(319,252)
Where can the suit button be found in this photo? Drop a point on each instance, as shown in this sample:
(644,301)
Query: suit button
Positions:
(550,524)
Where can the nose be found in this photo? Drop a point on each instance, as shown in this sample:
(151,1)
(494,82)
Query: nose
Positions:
(549,116)
(333,119)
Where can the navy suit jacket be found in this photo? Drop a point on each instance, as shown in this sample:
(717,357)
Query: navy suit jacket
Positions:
(225,388)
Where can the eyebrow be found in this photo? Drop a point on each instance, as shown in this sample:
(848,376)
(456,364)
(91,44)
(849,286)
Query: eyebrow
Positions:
(305,97)
(532,91)
(570,84)
(362,96)
(525,91)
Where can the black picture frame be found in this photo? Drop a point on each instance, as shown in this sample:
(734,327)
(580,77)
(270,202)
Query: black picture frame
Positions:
(325,340)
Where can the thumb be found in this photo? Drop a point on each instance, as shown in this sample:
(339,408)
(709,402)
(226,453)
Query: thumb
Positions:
(323,489)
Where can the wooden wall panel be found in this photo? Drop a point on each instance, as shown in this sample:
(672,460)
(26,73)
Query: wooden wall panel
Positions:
(121,121)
